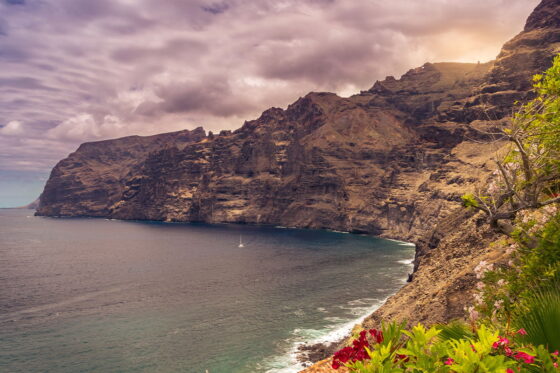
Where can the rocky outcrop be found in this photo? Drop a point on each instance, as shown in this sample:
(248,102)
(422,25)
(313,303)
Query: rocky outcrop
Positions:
(390,161)
(92,179)
(31,206)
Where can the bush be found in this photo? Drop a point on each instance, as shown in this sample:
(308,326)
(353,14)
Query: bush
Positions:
(452,348)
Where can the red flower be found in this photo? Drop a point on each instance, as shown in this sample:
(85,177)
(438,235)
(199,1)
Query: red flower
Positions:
(449,361)
(525,357)
(377,335)
(522,332)
(357,352)
(404,358)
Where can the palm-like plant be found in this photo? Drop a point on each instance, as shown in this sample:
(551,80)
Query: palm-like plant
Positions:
(540,317)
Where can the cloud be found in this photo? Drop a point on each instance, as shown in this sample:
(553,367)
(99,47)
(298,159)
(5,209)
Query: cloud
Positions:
(24,83)
(13,128)
(84,127)
(15,2)
(216,8)
(77,70)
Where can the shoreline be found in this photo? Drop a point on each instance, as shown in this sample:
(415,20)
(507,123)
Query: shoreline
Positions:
(304,354)
(270,225)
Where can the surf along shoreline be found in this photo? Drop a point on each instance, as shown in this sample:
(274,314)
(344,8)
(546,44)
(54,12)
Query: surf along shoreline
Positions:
(306,354)
(303,354)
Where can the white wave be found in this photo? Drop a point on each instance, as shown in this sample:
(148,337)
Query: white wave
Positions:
(339,329)
(334,319)
(406,261)
(402,243)
(335,231)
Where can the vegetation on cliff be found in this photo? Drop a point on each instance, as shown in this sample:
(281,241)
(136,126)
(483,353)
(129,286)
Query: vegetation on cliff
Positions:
(514,321)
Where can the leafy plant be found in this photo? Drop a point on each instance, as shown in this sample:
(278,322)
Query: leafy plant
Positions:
(540,318)
(424,349)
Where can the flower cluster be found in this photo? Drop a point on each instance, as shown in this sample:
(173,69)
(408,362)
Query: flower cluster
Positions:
(504,346)
(357,352)
(482,268)
(492,293)
(532,221)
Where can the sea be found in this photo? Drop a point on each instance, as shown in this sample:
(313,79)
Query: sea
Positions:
(98,295)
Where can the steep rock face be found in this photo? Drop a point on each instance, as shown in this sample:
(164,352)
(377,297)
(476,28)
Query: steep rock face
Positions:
(530,51)
(381,162)
(447,253)
(90,180)
(390,161)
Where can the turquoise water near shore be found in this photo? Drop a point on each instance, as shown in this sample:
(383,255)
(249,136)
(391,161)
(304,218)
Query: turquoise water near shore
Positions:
(96,295)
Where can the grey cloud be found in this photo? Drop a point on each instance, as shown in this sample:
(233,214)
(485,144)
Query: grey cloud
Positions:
(216,8)
(86,10)
(13,54)
(15,2)
(24,83)
(172,49)
(3,28)
(165,65)
(211,95)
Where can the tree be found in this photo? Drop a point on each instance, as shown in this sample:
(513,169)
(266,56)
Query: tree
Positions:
(528,172)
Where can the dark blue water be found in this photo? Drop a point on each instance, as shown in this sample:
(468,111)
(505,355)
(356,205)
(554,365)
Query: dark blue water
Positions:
(93,295)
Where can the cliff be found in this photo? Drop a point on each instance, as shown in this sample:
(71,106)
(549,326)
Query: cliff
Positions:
(390,161)
(447,253)
(91,179)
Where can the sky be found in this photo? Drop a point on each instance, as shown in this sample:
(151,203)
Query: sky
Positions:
(73,71)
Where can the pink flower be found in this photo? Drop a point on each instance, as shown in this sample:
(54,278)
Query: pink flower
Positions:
(502,341)
(522,332)
(525,357)
(555,353)
(509,370)
(449,361)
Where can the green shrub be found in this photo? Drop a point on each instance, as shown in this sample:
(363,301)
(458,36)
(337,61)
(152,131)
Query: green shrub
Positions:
(445,348)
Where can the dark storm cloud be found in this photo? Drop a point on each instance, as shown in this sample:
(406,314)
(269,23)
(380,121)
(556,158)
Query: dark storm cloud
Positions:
(77,70)
(213,95)
(216,8)
(15,2)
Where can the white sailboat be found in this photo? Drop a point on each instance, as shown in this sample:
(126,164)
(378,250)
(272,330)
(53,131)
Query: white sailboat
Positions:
(240,242)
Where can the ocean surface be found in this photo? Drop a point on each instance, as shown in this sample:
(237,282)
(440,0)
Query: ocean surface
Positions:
(96,295)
